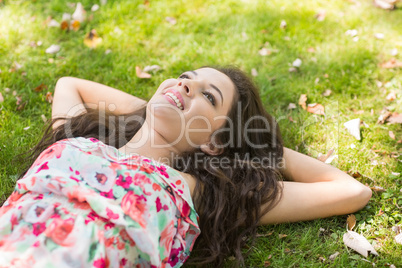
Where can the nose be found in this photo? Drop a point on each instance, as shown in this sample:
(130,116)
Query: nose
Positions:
(186,86)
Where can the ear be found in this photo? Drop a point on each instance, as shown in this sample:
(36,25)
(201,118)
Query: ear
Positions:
(210,149)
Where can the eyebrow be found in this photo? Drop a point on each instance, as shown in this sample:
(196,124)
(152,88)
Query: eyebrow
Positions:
(217,89)
(213,86)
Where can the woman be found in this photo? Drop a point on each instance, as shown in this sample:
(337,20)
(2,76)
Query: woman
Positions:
(204,138)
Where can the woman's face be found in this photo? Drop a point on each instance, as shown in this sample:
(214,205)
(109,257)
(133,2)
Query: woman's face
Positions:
(187,110)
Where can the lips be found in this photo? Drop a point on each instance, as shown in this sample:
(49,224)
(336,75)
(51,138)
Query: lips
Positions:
(174,97)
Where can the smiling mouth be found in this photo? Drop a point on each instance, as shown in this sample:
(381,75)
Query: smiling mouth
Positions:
(175,100)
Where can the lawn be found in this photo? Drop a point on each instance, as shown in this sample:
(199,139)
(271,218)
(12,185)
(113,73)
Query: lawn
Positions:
(251,35)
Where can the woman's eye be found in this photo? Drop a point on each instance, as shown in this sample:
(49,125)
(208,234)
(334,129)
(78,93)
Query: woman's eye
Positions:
(210,97)
(183,76)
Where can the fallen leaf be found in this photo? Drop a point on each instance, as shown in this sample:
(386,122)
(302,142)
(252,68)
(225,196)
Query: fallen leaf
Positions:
(297,63)
(26,128)
(359,243)
(265,51)
(322,259)
(324,157)
(291,119)
(44,118)
(292,70)
(291,106)
(394,52)
(311,50)
(53,49)
(53,23)
(333,256)
(315,108)
(327,92)
(1,97)
(353,126)
(152,68)
(254,72)
(379,35)
(283,24)
(95,8)
(64,25)
(141,74)
(108,51)
(396,229)
(391,96)
(385,4)
(380,212)
(40,87)
(287,250)
(326,75)
(320,16)
(282,236)
(264,235)
(351,221)
(356,174)
(79,13)
(75,25)
(391,134)
(49,97)
(374,162)
(171,20)
(392,63)
(351,33)
(92,39)
(302,101)
(395,118)
(267,263)
(398,239)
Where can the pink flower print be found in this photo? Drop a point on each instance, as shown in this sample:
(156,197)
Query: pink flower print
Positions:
(134,206)
(51,152)
(125,237)
(145,167)
(39,196)
(59,231)
(39,210)
(156,187)
(38,228)
(93,140)
(159,205)
(108,194)
(167,237)
(43,167)
(101,263)
(124,182)
(109,225)
(162,170)
(123,262)
(111,214)
(101,178)
(140,180)
(14,221)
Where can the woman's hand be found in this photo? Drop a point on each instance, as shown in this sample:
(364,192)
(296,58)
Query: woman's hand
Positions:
(73,95)
(316,190)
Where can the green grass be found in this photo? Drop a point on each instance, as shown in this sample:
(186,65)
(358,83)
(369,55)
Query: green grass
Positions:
(211,33)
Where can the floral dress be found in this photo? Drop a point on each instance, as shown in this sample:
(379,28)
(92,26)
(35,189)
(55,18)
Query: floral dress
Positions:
(85,204)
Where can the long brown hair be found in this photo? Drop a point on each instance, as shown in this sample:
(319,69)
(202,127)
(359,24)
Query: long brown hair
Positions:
(228,198)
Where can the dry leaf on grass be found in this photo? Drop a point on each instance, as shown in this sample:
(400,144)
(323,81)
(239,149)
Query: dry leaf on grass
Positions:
(333,256)
(351,221)
(254,72)
(291,106)
(391,96)
(95,8)
(320,16)
(79,13)
(1,97)
(393,52)
(92,39)
(324,157)
(359,243)
(43,118)
(283,24)
(265,51)
(297,63)
(171,20)
(40,87)
(327,92)
(152,68)
(53,49)
(395,118)
(302,101)
(392,63)
(282,236)
(315,108)
(391,134)
(141,74)
(398,238)
(49,97)
(75,25)
(377,189)
(53,23)
(64,25)
(353,126)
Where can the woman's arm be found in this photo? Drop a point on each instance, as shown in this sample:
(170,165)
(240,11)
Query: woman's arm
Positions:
(72,95)
(317,190)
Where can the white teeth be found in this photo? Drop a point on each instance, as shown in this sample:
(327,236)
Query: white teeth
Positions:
(178,103)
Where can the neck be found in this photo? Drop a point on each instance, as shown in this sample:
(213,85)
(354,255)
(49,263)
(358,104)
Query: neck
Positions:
(149,143)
